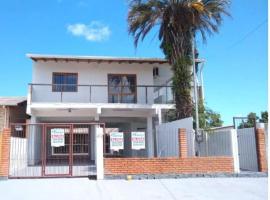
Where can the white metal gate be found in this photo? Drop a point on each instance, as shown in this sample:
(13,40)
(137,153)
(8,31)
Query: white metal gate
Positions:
(247,149)
(167,138)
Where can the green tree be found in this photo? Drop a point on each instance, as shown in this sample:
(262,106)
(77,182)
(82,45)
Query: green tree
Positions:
(178,23)
(264,117)
(213,119)
(250,122)
(207,117)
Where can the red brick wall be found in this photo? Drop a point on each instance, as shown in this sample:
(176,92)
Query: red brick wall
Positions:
(182,139)
(261,152)
(4,159)
(117,166)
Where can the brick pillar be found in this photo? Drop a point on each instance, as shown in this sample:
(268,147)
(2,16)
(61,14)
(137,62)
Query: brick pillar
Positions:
(182,139)
(5,147)
(261,152)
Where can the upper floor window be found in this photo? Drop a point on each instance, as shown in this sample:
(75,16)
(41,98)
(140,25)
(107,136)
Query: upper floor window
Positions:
(65,82)
(155,71)
(122,88)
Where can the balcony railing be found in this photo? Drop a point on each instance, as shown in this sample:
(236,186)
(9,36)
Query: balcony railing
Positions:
(69,93)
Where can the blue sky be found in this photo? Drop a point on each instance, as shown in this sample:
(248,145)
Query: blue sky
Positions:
(235,73)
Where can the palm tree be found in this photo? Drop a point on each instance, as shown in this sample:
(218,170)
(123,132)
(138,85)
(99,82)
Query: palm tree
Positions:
(179,21)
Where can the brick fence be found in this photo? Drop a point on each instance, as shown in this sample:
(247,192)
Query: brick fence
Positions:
(4,159)
(197,165)
(172,165)
(261,152)
(183,164)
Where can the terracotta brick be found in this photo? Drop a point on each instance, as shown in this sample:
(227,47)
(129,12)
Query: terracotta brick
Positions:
(261,152)
(182,140)
(5,147)
(115,166)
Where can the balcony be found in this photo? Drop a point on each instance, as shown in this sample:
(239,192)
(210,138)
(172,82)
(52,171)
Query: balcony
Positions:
(69,93)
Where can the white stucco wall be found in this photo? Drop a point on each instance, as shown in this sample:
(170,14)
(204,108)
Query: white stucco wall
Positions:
(90,74)
(165,74)
(164,78)
(167,137)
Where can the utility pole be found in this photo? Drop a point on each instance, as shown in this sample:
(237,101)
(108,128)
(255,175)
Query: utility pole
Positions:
(195,88)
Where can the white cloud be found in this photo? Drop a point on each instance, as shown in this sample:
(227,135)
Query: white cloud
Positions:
(94,32)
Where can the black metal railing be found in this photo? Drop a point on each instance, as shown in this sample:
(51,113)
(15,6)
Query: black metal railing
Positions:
(136,94)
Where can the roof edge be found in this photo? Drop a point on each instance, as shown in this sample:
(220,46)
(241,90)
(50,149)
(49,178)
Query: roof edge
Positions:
(48,57)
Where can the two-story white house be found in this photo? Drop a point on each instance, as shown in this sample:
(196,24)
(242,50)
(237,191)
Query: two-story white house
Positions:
(124,94)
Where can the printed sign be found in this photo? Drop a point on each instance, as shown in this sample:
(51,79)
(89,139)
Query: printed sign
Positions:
(57,137)
(19,128)
(138,140)
(116,141)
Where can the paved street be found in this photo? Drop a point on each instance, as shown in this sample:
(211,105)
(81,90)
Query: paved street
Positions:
(82,188)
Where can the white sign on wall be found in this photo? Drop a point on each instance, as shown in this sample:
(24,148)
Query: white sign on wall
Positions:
(57,137)
(138,140)
(116,141)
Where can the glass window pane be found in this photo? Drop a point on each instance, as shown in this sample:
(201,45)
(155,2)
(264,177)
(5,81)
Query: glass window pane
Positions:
(128,99)
(114,89)
(114,84)
(114,98)
(120,86)
(128,80)
(114,80)
(128,89)
(65,82)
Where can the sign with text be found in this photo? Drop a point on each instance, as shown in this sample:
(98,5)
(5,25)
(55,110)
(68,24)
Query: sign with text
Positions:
(138,140)
(57,137)
(116,141)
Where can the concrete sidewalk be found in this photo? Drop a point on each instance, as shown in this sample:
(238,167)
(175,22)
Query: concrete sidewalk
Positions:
(82,188)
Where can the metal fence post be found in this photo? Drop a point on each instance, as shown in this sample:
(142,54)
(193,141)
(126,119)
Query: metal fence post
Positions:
(90,93)
(99,152)
(235,153)
(146,95)
(61,93)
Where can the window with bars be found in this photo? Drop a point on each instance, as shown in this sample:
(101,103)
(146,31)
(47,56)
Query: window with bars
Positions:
(122,88)
(64,82)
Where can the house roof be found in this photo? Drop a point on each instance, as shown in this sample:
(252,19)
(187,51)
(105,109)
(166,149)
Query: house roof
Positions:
(11,101)
(98,59)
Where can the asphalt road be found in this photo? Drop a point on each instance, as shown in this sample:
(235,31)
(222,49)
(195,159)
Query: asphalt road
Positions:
(168,189)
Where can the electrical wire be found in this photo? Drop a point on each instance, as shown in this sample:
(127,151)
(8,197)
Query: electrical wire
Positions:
(248,34)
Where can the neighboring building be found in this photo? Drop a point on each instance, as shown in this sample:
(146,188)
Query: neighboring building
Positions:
(12,110)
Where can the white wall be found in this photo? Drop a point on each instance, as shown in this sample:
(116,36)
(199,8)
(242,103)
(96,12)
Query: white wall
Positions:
(216,143)
(89,74)
(165,74)
(167,137)
(18,155)
(239,143)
